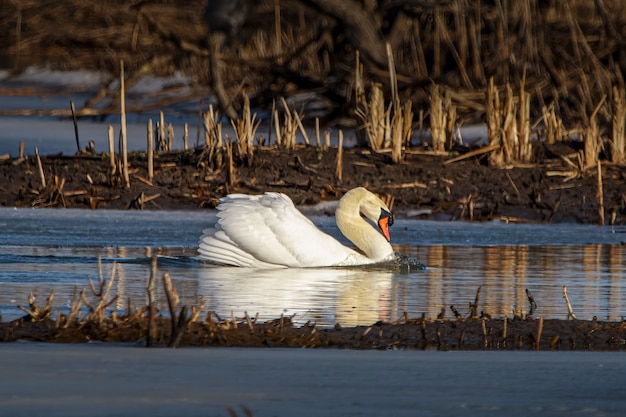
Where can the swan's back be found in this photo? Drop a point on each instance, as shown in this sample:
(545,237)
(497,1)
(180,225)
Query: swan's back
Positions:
(263,231)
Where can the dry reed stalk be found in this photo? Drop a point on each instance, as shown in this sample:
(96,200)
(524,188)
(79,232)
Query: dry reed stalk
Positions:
(123,127)
(286,135)
(531,302)
(326,139)
(592,138)
(249,321)
(385,127)
(73,109)
(35,313)
(186,137)
(398,136)
(171,138)
(151,304)
(339,167)
(474,29)
(21,151)
(178,322)
(212,129)
(388,134)
(485,338)
(161,140)
(196,311)
(102,292)
(318,141)
(525,150)
(112,165)
(359,82)
(290,127)
(42,176)
(372,113)
(74,306)
(509,142)
(245,131)
(278,45)
(570,311)
(360,100)
(600,194)
(474,306)
(504,325)
(407,127)
(437,120)
(213,140)
(172,299)
(301,127)
(451,119)
(436,66)
(393,78)
(618,141)
(150,151)
(231,173)
(461,26)
(553,125)
(494,124)
(539,331)
(276,119)
(445,35)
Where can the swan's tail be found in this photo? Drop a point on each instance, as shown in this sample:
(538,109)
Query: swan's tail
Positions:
(216,246)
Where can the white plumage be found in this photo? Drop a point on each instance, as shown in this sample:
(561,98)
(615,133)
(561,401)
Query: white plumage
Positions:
(267,231)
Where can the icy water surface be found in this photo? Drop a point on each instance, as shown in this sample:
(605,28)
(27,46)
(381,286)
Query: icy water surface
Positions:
(42,250)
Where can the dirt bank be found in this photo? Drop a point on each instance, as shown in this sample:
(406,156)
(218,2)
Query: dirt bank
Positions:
(422,185)
(450,334)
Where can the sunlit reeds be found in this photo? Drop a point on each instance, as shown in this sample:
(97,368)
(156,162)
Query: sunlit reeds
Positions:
(245,132)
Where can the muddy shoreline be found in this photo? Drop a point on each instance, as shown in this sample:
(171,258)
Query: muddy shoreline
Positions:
(423,185)
(410,334)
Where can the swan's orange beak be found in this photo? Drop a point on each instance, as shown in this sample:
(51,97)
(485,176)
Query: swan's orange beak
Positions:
(384,221)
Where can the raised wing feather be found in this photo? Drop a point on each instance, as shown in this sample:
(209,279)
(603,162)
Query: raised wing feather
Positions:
(267,230)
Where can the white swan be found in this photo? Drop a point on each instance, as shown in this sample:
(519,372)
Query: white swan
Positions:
(267,231)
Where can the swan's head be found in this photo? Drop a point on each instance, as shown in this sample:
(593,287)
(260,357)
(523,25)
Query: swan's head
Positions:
(370,206)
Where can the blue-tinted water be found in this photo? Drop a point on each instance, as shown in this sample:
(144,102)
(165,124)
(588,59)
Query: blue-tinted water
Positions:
(41,250)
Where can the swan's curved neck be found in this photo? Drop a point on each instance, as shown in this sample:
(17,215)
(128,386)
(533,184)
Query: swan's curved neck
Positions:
(359,231)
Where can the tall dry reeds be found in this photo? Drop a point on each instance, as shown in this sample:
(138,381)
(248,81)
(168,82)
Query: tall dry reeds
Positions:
(387,127)
(592,138)
(618,140)
(553,125)
(373,115)
(123,128)
(508,125)
(442,119)
(287,131)
(245,131)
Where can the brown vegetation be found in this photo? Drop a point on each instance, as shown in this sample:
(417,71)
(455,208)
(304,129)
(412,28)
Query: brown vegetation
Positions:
(556,59)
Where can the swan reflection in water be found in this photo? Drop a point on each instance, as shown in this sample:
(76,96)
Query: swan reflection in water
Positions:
(327,296)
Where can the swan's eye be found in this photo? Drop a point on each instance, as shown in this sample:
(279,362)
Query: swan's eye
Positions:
(384,214)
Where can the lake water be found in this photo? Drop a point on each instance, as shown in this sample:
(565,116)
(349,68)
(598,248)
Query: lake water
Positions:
(46,249)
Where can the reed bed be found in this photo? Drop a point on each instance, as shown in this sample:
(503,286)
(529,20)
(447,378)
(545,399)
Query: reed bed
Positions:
(533,72)
(569,54)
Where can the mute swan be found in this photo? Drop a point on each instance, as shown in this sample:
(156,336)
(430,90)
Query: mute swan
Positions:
(267,231)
